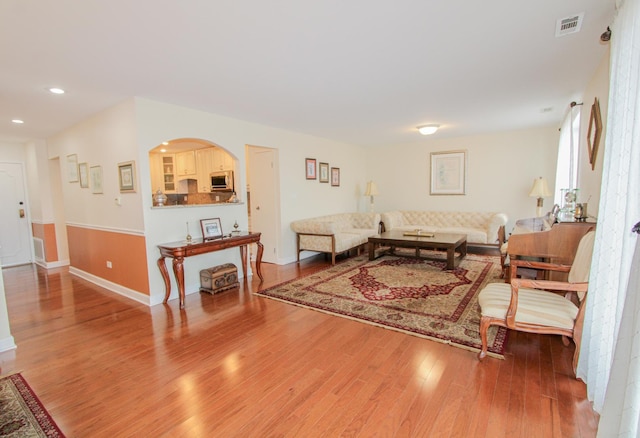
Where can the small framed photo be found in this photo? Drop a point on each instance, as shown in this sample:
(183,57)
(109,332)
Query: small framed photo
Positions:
(72,168)
(211,228)
(127,176)
(310,168)
(335,176)
(448,172)
(96,179)
(324,172)
(83,173)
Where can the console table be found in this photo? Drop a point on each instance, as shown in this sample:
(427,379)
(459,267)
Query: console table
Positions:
(179,250)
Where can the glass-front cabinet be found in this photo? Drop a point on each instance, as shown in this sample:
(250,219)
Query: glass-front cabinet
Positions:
(185,167)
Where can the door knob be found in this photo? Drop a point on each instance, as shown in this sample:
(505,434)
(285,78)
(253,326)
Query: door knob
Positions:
(21,212)
(258,207)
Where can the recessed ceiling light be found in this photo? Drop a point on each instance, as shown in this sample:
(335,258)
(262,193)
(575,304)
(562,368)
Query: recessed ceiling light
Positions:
(163,150)
(428,129)
(17,121)
(55,90)
(165,143)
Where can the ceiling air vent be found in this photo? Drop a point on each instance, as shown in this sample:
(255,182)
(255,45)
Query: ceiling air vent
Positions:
(572,24)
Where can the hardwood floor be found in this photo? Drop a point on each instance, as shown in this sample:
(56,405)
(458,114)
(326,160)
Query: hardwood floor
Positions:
(233,364)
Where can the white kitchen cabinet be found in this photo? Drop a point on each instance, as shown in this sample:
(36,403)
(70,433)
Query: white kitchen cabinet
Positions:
(222,160)
(204,166)
(186,164)
(168,173)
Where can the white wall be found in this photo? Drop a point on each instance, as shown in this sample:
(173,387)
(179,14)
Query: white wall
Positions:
(6,340)
(12,152)
(158,122)
(105,139)
(589,181)
(501,168)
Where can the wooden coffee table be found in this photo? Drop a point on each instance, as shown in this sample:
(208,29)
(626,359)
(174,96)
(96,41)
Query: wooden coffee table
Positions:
(451,243)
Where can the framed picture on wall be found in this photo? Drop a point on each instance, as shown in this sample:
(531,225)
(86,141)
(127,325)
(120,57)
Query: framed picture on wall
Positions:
(72,168)
(83,174)
(594,133)
(96,179)
(310,168)
(335,176)
(324,172)
(448,172)
(127,176)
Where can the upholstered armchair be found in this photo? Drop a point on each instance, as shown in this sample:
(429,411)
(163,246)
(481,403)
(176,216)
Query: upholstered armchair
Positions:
(540,306)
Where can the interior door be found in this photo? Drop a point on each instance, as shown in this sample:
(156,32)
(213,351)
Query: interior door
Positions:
(265,200)
(15,234)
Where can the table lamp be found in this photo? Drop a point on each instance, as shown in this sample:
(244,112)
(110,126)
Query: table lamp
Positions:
(372,190)
(539,190)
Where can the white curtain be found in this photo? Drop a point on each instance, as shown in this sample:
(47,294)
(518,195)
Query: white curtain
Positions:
(621,410)
(612,267)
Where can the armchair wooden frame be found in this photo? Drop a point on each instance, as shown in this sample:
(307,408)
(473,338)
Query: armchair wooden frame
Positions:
(573,291)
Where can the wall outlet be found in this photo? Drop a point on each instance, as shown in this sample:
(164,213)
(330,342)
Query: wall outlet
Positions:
(109,265)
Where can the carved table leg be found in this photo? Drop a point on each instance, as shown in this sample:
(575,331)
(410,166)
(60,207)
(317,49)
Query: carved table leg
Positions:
(178,271)
(259,260)
(243,259)
(165,276)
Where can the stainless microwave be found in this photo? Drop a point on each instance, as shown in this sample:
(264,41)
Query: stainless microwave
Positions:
(222,180)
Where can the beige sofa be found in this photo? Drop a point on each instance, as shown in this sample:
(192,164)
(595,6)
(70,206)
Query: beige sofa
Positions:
(481,228)
(335,234)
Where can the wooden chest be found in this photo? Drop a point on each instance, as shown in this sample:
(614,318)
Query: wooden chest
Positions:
(219,278)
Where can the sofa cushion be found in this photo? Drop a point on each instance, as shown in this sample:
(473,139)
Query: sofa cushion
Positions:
(474,235)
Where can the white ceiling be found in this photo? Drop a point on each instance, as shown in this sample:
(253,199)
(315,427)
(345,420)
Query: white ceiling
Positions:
(361,72)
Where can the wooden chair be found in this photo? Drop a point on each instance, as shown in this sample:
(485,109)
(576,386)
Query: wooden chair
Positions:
(536,306)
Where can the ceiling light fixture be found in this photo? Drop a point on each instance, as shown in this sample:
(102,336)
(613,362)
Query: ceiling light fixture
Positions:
(428,129)
(17,121)
(55,90)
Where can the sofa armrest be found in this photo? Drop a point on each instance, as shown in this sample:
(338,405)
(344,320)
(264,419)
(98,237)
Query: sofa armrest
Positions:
(392,219)
(495,228)
(311,226)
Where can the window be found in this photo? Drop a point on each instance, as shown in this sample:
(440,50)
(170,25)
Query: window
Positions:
(568,150)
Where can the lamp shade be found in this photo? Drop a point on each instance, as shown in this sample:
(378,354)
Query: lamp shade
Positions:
(372,189)
(540,188)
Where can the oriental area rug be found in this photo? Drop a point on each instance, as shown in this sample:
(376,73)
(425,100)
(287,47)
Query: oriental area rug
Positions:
(411,295)
(21,412)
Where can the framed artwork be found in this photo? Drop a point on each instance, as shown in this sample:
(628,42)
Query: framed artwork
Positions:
(310,168)
(594,132)
(335,176)
(127,176)
(72,168)
(95,173)
(448,172)
(324,172)
(211,228)
(83,173)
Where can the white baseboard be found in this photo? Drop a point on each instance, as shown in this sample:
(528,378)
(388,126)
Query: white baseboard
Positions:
(7,344)
(113,287)
(51,265)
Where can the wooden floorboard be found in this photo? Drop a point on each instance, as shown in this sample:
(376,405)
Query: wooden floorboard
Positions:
(233,364)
